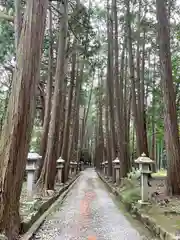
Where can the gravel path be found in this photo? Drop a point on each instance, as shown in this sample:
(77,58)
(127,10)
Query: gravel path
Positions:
(87,213)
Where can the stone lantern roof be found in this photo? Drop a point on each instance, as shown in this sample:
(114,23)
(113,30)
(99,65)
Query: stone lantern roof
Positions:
(143,159)
(60,160)
(33,156)
(116,161)
(73,163)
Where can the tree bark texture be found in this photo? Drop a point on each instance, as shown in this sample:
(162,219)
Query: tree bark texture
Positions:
(48,99)
(16,133)
(47,178)
(170,113)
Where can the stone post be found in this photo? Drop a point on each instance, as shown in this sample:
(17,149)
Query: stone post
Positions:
(75,168)
(144,163)
(59,166)
(82,165)
(31,167)
(116,168)
(71,168)
(103,168)
(106,168)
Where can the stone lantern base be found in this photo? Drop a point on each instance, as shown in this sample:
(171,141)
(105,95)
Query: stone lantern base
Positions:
(143,203)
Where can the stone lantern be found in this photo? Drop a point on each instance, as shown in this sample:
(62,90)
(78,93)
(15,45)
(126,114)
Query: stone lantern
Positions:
(116,166)
(31,167)
(144,163)
(59,166)
(73,166)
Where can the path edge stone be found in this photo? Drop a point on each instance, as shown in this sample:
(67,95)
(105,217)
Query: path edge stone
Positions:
(147,221)
(34,224)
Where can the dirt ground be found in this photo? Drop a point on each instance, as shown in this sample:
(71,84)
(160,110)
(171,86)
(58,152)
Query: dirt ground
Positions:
(165,209)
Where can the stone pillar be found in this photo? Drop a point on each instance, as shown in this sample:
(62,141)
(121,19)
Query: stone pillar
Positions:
(82,165)
(116,169)
(144,163)
(71,169)
(106,168)
(31,167)
(59,166)
(75,168)
(103,168)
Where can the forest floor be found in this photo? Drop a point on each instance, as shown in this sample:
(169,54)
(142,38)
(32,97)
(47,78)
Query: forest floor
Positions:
(30,204)
(165,209)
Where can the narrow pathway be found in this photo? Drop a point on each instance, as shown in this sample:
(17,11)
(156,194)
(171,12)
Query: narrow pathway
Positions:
(87,213)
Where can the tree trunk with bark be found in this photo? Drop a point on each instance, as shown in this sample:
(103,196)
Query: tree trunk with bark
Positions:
(110,80)
(118,84)
(16,133)
(67,130)
(47,178)
(170,112)
(138,114)
(48,100)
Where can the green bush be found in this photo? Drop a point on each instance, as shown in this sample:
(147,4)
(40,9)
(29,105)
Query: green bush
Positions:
(131,195)
(134,174)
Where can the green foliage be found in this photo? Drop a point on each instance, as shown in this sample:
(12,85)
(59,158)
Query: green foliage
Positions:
(134,174)
(176,68)
(35,140)
(131,195)
(6,42)
(80,25)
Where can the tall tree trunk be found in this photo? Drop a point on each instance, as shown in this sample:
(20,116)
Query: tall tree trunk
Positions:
(17,129)
(153,143)
(78,120)
(47,178)
(119,92)
(100,146)
(65,147)
(138,118)
(127,114)
(48,100)
(108,140)
(110,80)
(170,113)
(72,146)
(142,111)
(87,111)
(62,118)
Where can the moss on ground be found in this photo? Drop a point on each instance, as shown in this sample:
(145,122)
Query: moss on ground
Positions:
(167,216)
(170,222)
(160,173)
